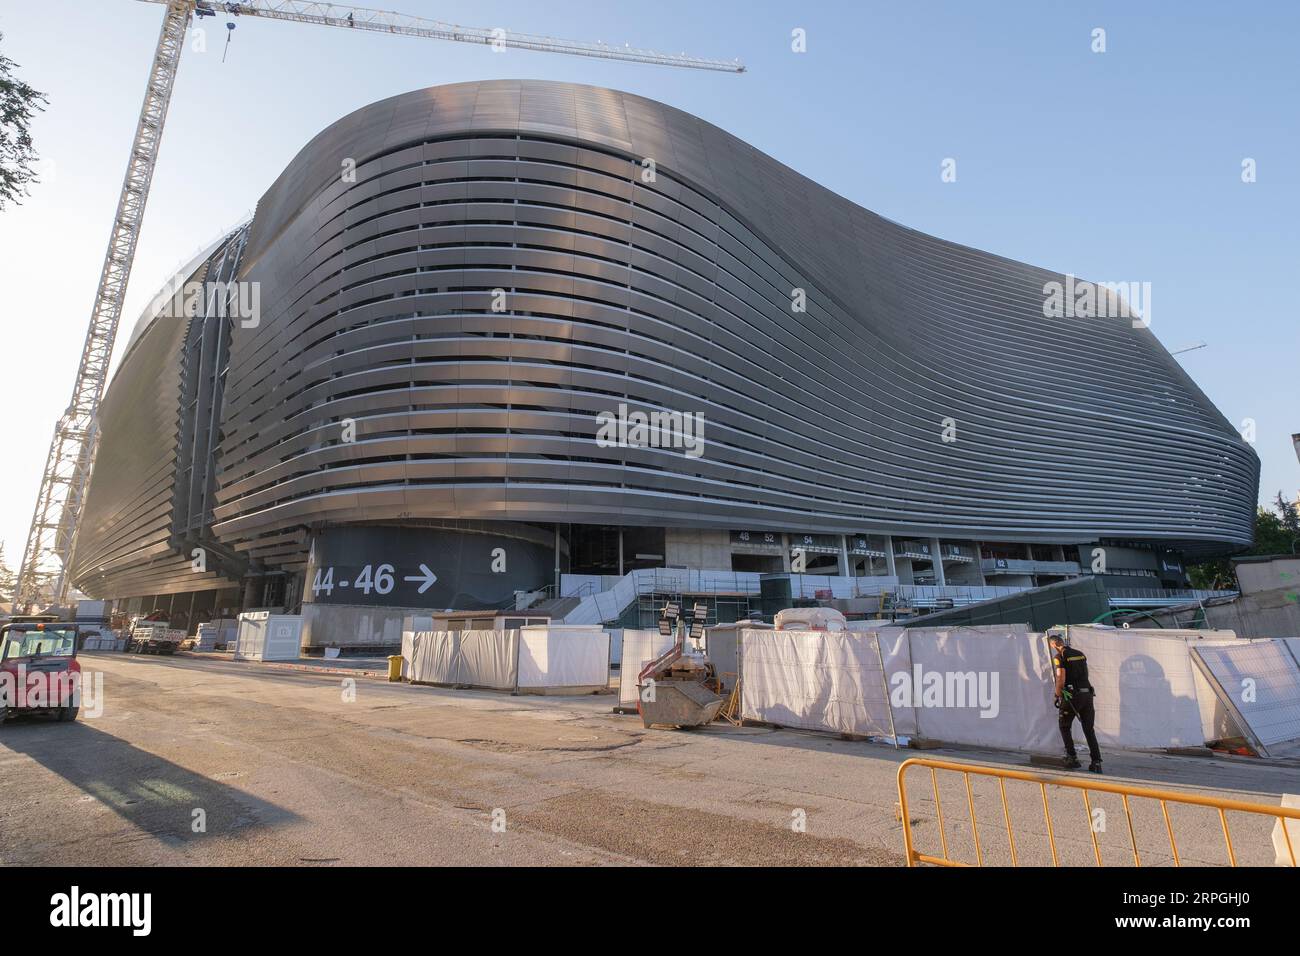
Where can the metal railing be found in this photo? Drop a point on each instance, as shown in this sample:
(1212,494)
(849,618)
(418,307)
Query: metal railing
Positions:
(1163,797)
(1162,597)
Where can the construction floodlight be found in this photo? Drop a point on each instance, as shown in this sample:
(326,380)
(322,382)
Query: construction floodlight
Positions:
(671,610)
(697,629)
(665,627)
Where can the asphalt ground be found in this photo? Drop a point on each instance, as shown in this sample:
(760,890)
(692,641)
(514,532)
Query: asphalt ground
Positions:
(203,760)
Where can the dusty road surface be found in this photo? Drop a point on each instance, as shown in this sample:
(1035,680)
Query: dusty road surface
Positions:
(207,761)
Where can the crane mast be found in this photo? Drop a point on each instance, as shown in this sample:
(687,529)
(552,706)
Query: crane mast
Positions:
(47,557)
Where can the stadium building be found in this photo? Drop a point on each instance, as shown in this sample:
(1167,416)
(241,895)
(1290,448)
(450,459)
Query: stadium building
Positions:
(523,348)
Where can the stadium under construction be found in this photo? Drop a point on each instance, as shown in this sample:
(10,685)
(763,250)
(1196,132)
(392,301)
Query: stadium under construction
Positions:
(531,349)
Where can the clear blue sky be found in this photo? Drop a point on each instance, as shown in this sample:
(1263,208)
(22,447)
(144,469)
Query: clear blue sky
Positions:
(1124,165)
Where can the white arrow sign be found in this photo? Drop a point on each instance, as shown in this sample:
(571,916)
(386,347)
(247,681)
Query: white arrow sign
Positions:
(426,576)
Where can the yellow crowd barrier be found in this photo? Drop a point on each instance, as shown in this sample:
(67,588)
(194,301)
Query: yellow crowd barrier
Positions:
(1085,786)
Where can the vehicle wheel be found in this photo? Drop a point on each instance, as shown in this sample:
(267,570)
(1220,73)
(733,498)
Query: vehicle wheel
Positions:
(4,712)
(68,713)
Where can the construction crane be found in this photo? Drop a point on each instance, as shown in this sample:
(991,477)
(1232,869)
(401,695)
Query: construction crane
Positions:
(47,557)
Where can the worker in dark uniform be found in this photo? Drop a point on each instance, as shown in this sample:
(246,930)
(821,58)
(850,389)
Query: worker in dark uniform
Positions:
(1074,698)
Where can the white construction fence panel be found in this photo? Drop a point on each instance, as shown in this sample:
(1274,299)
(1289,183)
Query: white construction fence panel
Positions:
(722,645)
(1262,680)
(488,659)
(640,647)
(252,637)
(264,636)
(897,654)
(1146,696)
(815,680)
(283,637)
(485,659)
(431,657)
(983,686)
(563,656)
(408,652)
(412,624)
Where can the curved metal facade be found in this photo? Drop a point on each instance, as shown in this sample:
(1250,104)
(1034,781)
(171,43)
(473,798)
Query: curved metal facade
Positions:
(379,314)
(147,509)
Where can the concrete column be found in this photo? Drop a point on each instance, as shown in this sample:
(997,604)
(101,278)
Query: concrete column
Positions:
(785,552)
(252,592)
(621,572)
(890,567)
(844,556)
(936,554)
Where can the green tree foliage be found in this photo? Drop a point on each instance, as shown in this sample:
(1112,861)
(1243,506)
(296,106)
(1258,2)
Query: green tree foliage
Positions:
(1290,516)
(1276,532)
(18,104)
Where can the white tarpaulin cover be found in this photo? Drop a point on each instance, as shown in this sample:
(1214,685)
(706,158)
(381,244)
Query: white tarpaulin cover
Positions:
(412,624)
(1263,681)
(408,652)
(1146,688)
(563,656)
(810,619)
(897,654)
(722,645)
(489,659)
(640,647)
(473,658)
(431,657)
(983,686)
(1217,721)
(816,680)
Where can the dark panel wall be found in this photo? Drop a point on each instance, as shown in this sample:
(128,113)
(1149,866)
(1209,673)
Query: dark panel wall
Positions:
(423,567)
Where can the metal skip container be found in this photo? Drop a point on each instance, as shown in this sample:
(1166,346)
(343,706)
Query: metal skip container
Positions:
(674,689)
(678,703)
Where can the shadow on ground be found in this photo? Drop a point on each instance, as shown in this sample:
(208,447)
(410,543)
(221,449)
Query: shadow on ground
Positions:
(156,795)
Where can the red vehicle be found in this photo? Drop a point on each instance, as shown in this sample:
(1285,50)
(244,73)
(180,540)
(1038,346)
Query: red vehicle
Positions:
(39,672)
